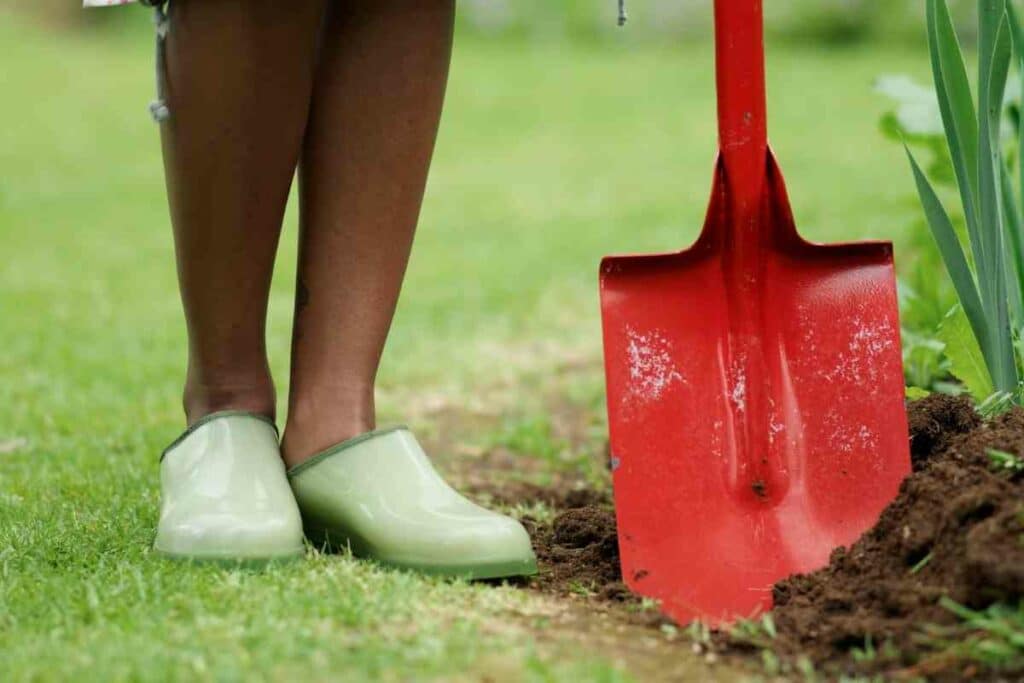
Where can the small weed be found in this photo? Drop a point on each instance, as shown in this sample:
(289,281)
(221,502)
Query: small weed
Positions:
(644,605)
(867,653)
(648,604)
(921,564)
(537,510)
(580,589)
(889,651)
(997,404)
(805,667)
(759,633)
(699,633)
(1005,462)
(770,662)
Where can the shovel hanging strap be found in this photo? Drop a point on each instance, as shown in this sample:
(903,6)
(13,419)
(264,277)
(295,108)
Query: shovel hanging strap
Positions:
(742,116)
(158,108)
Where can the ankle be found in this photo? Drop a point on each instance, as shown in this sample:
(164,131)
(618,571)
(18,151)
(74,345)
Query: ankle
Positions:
(311,431)
(204,398)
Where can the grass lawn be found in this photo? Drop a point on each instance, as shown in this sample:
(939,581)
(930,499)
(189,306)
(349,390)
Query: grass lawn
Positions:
(550,156)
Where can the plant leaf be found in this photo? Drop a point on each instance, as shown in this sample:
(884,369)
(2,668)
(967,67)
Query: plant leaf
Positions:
(1016,28)
(989,14)
(1015,242)
(966,360)
(956,105)
(994,64)
(1007,379)
(1015,226)
(917,393)
(952,253)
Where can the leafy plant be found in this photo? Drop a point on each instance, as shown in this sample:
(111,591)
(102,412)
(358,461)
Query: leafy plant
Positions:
(926,366)
(925,301)
(987,283)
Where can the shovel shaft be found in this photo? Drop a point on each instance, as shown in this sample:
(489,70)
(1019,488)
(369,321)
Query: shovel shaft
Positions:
(742,120)
(753,471)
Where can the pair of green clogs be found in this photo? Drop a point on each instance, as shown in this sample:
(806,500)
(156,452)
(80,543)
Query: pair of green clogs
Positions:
(225,495)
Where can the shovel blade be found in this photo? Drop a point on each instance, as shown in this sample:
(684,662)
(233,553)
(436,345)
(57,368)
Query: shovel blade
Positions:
(711,513)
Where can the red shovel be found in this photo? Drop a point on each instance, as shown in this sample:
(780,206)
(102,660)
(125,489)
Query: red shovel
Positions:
(755,383)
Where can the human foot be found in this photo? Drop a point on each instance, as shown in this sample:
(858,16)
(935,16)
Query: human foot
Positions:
(379,495)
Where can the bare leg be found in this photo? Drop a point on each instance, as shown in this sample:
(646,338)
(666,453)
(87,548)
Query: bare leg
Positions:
(239,81)
(377,102)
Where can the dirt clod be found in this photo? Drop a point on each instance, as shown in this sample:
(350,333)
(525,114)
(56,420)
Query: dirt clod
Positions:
(934,421)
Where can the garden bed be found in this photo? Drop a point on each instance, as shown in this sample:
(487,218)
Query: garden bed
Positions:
(954,533)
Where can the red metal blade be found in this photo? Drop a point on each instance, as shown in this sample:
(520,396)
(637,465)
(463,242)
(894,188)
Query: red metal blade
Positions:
(755,402)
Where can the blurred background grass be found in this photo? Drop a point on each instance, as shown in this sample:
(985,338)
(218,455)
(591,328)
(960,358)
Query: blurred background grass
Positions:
(831,22)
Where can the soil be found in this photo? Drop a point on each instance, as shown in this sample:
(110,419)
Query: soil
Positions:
(577,548)
(579,552)
(955,530)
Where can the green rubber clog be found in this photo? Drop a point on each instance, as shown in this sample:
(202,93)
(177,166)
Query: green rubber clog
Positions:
(225,495)
(379,495)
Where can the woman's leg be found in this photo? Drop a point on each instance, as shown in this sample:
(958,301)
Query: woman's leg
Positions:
(239,78)
(377,99)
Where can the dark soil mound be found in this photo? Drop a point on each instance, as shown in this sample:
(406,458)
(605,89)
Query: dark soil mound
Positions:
(954,530)
(577,549)
(579,553)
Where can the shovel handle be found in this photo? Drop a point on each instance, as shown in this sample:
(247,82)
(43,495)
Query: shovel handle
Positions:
(742,116)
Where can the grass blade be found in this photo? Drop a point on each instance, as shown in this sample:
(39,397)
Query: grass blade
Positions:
(956,105)
(952,254)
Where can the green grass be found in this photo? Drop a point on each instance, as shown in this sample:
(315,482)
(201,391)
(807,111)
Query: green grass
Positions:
(992,638)
(550,156)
